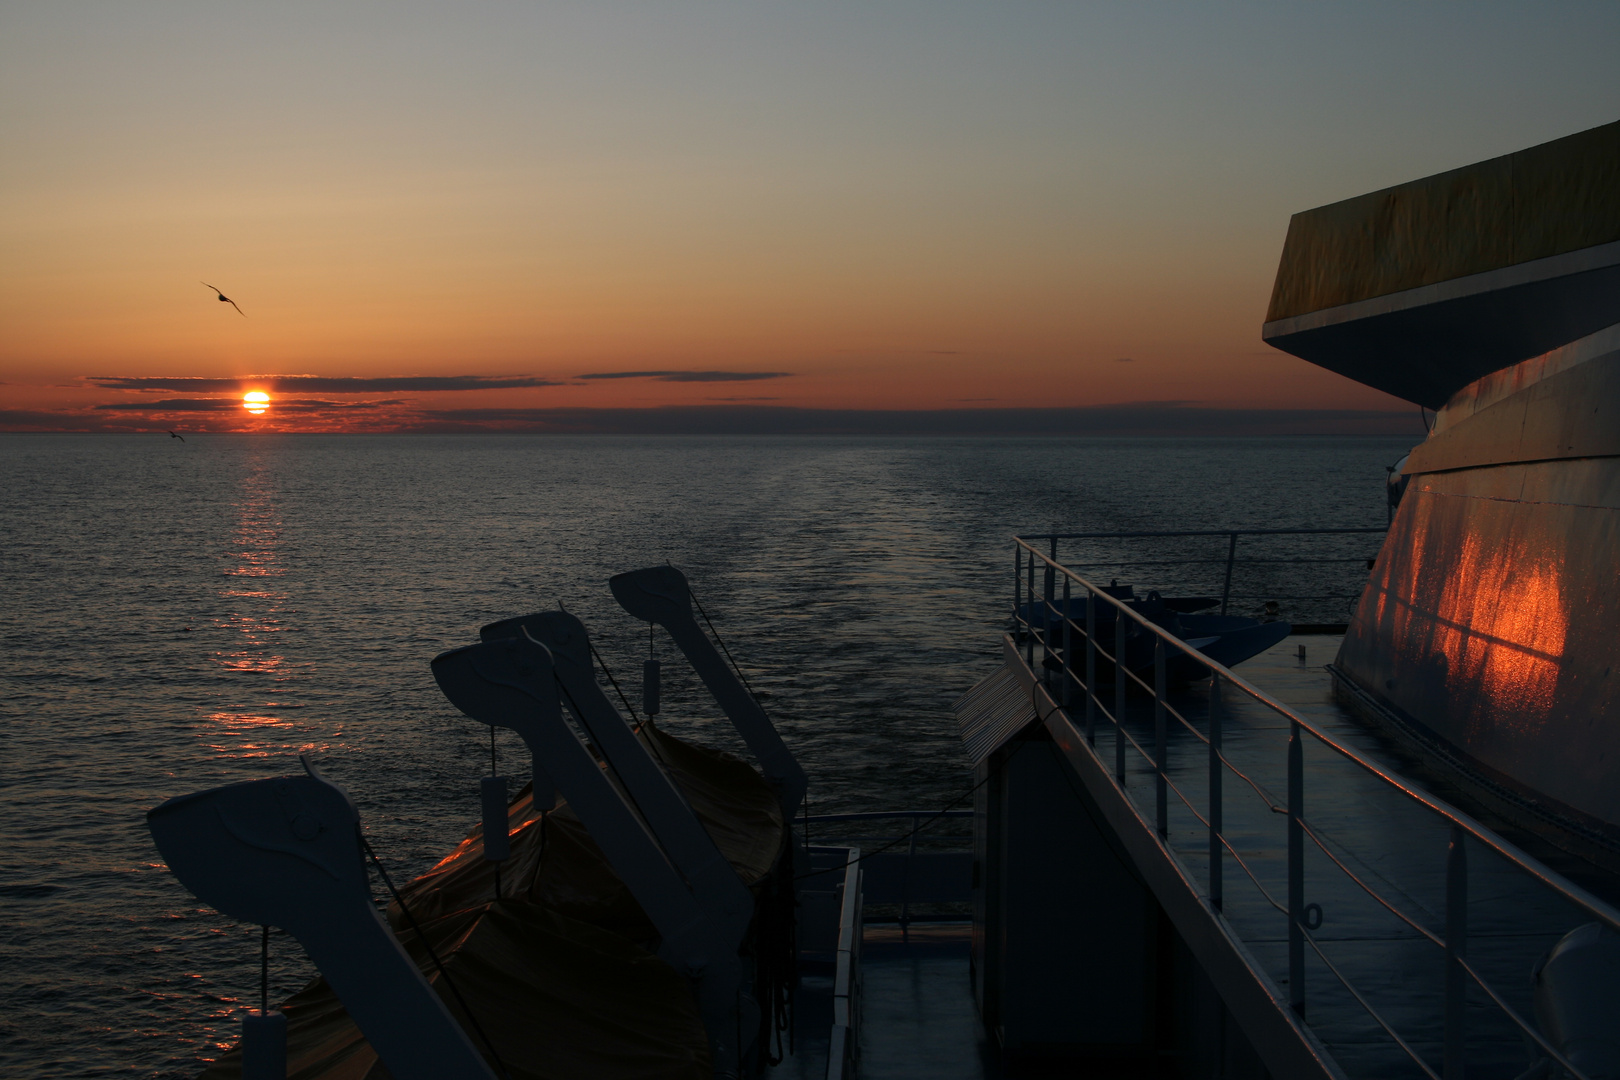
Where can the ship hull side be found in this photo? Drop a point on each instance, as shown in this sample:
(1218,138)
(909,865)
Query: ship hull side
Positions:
(1489,623)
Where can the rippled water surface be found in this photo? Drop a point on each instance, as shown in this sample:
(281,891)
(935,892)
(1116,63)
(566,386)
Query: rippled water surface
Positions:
(178,616)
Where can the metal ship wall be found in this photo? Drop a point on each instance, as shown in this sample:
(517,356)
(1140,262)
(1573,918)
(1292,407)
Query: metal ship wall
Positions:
(1489,631)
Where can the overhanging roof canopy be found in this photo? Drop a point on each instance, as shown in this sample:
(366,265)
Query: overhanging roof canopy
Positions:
(1422,288)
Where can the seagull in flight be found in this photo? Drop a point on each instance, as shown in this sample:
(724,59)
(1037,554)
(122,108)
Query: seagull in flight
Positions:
(225,300)
(172,435)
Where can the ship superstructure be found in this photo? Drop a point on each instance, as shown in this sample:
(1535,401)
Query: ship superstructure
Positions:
(1486,635)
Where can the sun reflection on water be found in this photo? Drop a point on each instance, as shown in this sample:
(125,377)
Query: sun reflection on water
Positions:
(250,735)
(253,618)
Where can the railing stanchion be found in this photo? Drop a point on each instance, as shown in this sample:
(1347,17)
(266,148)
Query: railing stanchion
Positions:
(1161,740)
(905,880)
(1456,950)
(1296,869)
(1215,822)
(1047,621)
(1302,919)
(1119,695)
(1029,622)
(1018,584)
(1091,668)
(1067,670)
(1047,603)
(1231,557)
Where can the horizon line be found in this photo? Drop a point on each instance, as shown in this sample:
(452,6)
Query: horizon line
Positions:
(1146,418)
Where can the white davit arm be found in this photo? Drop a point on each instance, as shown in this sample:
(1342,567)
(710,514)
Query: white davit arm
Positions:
(511,682)
(660,594)
(715,884)
(286,852)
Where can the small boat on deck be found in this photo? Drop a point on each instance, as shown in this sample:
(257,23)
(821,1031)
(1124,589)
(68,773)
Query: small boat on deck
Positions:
(1226,639)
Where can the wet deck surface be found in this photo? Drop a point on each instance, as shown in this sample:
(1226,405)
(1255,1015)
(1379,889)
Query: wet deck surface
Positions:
(918,1020)
(1386,841)
(918,1014)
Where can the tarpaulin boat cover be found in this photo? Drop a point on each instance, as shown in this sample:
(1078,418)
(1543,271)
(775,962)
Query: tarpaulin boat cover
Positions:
(554,861)
(559,1000)
(555,969)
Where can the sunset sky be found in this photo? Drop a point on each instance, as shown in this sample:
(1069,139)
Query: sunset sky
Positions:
(490,216)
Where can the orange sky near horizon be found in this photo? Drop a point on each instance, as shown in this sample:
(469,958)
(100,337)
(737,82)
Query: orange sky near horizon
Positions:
(930,207)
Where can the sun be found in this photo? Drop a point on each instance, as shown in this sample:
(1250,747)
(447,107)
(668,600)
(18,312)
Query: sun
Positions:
(256,401)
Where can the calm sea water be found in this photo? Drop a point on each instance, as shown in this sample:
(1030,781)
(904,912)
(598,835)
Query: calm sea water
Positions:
(178,616)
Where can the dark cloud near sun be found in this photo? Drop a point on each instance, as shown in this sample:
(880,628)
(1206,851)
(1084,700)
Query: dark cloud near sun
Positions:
(175,405)
(283,405)
(324,384)
(690,376)
(33,418)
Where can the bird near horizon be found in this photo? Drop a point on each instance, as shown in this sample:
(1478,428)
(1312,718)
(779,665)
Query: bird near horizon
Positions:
(174,435)
(226,300)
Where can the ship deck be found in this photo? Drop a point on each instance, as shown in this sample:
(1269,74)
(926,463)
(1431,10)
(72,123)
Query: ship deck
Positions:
(1394,846)
(919,1017)
(1388,842)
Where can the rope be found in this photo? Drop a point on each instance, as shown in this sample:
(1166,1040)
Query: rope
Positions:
(494,772)
(606,671)
(952,805)
(916,827)
(572,704)
(631,709)
(722,643)
(438,964)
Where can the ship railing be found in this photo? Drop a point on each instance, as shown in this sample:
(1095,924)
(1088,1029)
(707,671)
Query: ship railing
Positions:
(844,1041)
(1074,638)
(896,872)
(1241,565)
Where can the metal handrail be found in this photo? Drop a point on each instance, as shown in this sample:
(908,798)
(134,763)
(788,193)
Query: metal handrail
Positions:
(881,815)
(1231,535)
(1568,889)
(1193,532)
(1165,642)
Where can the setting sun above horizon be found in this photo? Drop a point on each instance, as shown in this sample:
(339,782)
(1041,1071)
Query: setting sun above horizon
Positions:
(563,216)
(256,402)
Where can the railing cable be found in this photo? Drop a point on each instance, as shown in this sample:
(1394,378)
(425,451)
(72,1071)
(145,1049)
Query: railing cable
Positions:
(1367,1005)
(1299,927)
